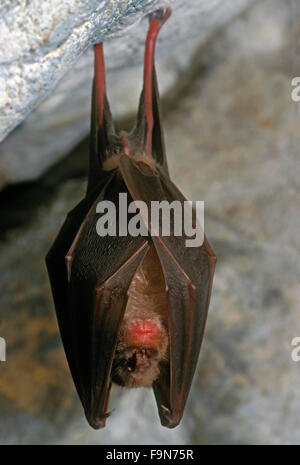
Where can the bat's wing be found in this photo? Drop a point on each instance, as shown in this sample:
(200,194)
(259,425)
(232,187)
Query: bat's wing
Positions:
(57,270)
(188,274)
(90,276)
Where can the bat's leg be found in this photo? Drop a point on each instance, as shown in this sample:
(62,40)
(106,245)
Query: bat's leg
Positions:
(97,137)
(103,140)
(100,84)
(156,19)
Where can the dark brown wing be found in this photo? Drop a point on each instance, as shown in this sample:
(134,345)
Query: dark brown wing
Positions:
(57,270)
(90,276)
(188,274)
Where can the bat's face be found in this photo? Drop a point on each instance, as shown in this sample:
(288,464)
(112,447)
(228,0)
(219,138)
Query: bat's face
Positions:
(143,340)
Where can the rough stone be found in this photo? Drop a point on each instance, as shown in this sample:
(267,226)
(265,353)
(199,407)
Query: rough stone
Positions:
(50,43)
(233,140)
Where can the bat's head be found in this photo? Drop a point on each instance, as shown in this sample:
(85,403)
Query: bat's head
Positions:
(143,339)
(143,345)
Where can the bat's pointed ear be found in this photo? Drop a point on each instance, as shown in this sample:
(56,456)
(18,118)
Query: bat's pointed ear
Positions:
(148,134)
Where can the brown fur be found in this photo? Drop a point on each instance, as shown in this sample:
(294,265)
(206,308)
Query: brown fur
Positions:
(147,301)
(113,162)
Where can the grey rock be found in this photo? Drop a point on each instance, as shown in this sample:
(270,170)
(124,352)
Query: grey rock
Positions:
(233,140)
(46,44)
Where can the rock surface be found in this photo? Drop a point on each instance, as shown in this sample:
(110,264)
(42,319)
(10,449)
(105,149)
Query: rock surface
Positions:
(43,44)
(233,140)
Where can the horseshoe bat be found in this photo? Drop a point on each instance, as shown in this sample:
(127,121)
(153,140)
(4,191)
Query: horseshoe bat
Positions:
(131,309)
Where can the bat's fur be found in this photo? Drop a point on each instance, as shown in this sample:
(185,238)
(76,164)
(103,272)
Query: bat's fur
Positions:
(147,301)
(142,161)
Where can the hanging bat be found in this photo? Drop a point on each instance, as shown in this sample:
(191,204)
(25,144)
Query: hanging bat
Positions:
(131,310)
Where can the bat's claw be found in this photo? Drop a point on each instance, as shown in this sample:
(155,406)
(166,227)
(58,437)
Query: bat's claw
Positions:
(162,14)
(100,421)
(168,418)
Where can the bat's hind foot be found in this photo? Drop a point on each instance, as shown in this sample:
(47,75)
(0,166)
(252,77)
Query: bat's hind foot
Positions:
(161,15)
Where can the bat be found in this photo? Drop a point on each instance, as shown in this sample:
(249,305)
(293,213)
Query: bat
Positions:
(131,309)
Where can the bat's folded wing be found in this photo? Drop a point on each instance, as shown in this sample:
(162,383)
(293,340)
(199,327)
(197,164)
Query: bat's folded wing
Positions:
(57,270)
(90,276)
(188,273)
